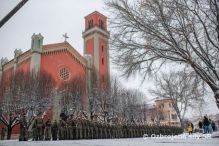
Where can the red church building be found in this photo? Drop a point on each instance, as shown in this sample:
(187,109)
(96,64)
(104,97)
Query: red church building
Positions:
(62,61)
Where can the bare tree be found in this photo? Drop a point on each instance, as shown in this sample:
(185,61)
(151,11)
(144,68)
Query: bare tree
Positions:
(102,98)
(134,106)
(114,95)
(146,34)
(94,95)
(154,115)
(24,95)
(130,106)
(72,95)
(182,88)
(116,104)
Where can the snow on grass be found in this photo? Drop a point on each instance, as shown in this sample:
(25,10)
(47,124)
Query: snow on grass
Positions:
(117,142)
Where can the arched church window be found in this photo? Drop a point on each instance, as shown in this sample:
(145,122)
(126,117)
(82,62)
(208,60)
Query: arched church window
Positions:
(64,73)
(102,61)
(102,48)
(101,24)
(39,42)
(90,23)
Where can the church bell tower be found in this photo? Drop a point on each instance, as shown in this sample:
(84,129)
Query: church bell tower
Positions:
(96,46)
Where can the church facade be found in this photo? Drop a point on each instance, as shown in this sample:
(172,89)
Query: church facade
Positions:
(62,61)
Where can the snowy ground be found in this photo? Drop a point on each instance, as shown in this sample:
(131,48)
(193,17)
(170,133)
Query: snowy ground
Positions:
(118,142)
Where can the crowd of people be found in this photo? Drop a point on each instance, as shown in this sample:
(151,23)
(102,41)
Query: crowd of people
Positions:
(207,125)
(70,128)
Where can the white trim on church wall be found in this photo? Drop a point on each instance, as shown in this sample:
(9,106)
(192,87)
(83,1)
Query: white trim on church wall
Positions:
(35,62)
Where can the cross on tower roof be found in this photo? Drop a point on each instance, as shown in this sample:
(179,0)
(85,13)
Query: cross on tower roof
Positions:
(65,36)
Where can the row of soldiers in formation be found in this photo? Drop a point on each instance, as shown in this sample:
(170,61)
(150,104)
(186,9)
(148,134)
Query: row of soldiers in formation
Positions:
(84,129)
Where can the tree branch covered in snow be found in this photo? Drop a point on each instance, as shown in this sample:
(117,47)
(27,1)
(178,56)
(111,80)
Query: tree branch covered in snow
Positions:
(117,104)
(146,34)
(182,88)
(72,95)
(24,95)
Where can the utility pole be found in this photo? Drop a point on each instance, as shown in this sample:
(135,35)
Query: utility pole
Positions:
(12,12)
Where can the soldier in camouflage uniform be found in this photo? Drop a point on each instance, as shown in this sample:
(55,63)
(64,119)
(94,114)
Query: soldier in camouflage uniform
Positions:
(149,130)
(109,131)
(23,129)
(69,129)
(113,131)
(65,131)
(146,129)
(141,130)
(39,129)
(34,130)
(78,129)
(134,130)
(54,130)
(91,129)
(73,128)
(120,130)
(104,130)
(73,124)
(87,129)
(103,127)
(95,130)
(117,131)
(125,131)
(48,125)
(83,125)
(130,130)
(62,125)
(100,130)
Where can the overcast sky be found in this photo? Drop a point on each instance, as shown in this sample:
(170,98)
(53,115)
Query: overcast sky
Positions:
(52,18)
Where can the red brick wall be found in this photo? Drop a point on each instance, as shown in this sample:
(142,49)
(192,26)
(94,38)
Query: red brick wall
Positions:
(52,63)
(103,72)
(24,66)
(90,48)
